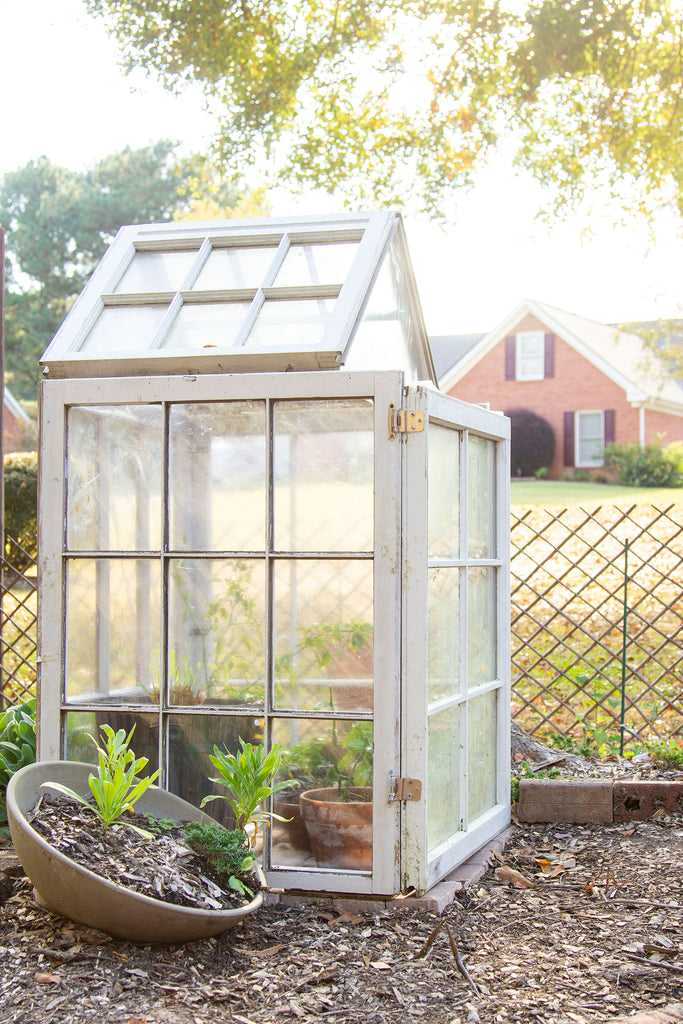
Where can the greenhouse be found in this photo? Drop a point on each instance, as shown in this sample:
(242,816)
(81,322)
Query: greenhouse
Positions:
(260,519)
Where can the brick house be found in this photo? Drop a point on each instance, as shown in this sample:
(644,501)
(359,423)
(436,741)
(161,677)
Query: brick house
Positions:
(592,382)
(18,427)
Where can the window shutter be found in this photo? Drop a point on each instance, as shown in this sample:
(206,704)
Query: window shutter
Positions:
(609,426)
(549,356)
(510,357)
(569,439)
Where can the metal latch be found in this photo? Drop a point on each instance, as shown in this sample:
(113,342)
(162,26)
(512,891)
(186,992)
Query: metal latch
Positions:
(405,421)
(404,789)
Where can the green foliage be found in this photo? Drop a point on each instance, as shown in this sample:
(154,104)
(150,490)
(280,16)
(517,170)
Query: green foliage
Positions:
(651,466)
(117,786)
(541,473)
(666,753)
(346,764)
(247,775)
(226,849)
(59,223)
(532,442)
(526,771)
(353,770)
(582,476)
(17,744)
(21,503)
(586,92)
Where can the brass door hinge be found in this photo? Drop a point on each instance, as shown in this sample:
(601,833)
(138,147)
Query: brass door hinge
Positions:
(404,789)
(405,421)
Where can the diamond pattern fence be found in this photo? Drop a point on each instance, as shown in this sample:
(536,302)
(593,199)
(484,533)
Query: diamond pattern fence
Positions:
(567,611)
(18,620)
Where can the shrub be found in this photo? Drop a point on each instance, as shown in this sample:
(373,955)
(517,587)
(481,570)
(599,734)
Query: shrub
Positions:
(21,504)
(17,744)
(651,466)
(532,442)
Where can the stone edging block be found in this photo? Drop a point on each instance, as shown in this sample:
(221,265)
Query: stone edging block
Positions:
(591,801)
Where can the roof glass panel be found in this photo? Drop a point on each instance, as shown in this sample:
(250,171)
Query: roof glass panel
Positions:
(235,267)
(317,264)
(207,325)
(156,272)
(290,323)
(125,328)
(276,293)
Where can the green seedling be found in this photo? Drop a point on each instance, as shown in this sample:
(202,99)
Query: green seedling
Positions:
(117,786)
(247,775)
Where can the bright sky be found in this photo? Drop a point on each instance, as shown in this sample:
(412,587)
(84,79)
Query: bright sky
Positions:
(65,97)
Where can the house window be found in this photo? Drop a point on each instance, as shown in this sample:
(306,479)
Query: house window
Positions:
(529,356)
(589,438)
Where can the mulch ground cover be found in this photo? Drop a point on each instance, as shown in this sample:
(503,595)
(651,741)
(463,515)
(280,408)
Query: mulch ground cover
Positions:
(572,924)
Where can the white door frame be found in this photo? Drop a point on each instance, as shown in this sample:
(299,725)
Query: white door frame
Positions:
(420,869)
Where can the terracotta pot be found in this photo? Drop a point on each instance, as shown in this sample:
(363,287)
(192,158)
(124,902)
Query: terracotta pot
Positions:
(340,831)
(294,826)
(83,896)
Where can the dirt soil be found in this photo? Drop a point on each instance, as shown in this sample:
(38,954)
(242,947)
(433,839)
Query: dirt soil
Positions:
(573,923)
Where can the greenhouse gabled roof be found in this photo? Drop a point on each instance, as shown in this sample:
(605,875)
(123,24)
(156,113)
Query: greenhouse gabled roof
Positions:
(296,293)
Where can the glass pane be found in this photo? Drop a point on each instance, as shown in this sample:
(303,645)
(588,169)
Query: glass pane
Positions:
(216,631)
(482,738)
(481,500)
(443,659)
(112,629)
(482,640)
(217,473)
(443,777)
(323,635)
(124,329)
(387,335)
(331,808)
(290,323)
(444,492)
(235,268)
(81,725)
(114,465)
(190,740)
(207,325)
(157,271)
(317,264)
(323,469)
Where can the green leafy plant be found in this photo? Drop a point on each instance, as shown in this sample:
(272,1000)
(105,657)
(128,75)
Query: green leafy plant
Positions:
(247,775)
(17,744)
(666,753)
(117,785)
(650,466)
(526,771)
(353,769)
(345,764)
(227,850)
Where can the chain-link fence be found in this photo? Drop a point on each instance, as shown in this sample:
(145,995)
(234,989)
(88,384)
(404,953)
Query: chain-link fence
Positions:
(18,620)
(567,610)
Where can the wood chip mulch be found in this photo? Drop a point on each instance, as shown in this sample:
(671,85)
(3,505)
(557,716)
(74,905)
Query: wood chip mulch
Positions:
(162,866)
(572,924)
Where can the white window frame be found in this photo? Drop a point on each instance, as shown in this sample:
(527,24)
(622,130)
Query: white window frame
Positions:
(580,462)
(525,340)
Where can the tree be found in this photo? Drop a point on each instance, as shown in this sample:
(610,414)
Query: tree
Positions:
(59,223)
(387,99)
(532,442)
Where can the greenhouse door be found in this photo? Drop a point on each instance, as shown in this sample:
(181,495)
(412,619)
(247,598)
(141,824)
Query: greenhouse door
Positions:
(456,635)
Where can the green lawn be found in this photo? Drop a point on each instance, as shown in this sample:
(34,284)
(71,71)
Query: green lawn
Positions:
(569,492)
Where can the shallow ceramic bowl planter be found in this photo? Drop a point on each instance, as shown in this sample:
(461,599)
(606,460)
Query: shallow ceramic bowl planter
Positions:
(80,894)
(340,831)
